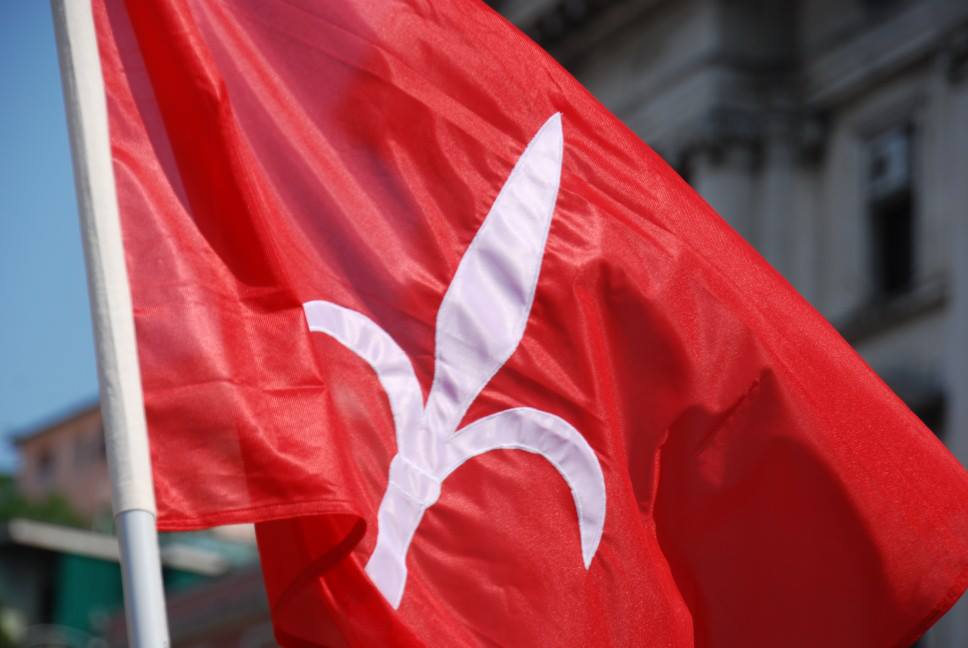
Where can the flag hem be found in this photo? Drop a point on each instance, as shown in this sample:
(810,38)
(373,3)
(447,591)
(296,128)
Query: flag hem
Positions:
(257,514)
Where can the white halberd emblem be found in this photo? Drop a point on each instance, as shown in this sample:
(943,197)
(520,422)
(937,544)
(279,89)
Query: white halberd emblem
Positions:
(479,324)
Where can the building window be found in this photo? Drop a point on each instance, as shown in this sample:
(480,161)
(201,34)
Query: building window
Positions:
(45,469)
(80,452)
(684,167)
(890,205)
(932,414)
(88,451)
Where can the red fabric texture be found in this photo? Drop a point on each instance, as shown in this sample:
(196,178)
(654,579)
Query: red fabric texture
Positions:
(764,487)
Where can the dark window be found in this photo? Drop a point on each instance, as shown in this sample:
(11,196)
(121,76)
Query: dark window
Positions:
(45,468)
(891,209)
(80,452)
(684,168)
(88,450)
(932,413)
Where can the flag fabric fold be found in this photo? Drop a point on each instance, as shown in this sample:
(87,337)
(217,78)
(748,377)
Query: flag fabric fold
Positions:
(577,411)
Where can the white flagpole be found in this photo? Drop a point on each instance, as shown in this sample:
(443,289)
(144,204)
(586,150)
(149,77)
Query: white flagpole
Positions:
(122,406)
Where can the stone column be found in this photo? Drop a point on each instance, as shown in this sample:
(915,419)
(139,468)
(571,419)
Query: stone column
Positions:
(723,175)
(956,429)
(781,239)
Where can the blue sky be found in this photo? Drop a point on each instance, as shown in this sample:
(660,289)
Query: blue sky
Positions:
(46,345)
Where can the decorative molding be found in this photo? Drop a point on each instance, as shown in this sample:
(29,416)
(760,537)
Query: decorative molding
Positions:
(883,314)
(561,20)
(727,129)
(870,55)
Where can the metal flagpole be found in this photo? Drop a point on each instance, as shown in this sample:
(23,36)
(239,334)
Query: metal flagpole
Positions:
(122,406)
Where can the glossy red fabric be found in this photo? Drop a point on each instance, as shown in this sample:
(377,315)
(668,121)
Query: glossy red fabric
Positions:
(764,487)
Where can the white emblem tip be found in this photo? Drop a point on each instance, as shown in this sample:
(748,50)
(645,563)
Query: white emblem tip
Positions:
(553,124)
(551,135)
(589,549)
(388,574)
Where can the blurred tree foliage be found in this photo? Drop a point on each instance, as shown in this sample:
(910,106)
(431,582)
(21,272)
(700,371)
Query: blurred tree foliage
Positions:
(54,509)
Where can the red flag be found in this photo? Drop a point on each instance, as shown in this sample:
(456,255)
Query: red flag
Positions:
(484,369)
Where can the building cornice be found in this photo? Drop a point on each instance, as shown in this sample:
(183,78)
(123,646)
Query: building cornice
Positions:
(847,69)
(569,28)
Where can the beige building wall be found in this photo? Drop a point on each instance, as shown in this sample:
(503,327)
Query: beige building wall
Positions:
(67,459)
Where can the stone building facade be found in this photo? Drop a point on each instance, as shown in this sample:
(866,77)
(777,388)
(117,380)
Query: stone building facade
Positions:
(832,134)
